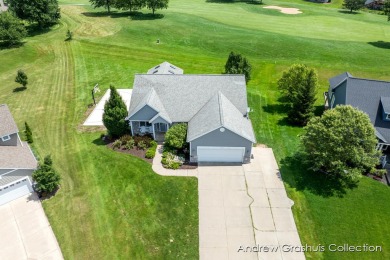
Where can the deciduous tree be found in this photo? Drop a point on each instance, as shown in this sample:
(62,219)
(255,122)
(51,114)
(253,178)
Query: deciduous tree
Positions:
(386,9)
(302,108)
(353,5)
(341,142)
(131,5)
(28,133)
(114,115)
(12,30)
(156,4)
(102,3)
(43,12)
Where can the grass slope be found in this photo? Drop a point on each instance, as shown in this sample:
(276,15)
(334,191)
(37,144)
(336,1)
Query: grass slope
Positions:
(112,206)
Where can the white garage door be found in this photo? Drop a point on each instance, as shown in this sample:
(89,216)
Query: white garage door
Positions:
(14,191)
(220,154)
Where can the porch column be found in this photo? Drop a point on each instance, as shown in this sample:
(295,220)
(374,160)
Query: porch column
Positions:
(131,128)
(154,134)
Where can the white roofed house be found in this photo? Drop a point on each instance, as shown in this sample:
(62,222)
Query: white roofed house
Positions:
(17,161)
(214,107)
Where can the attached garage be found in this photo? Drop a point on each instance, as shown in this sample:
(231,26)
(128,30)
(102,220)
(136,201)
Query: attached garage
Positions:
(15,190)
(220,154)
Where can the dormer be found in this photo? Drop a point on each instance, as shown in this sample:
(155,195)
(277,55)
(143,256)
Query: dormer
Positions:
(385,101)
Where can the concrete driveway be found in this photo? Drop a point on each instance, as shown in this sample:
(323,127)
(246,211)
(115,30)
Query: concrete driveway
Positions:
(25,232)
(96,116)
(244,211)
(246,206)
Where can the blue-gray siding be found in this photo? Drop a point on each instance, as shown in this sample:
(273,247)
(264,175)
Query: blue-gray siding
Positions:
(144,114)
(340,95)
(222,139)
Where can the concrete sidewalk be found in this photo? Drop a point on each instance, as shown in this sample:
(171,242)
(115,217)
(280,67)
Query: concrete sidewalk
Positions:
(25,231)
(96,117)
(241,207)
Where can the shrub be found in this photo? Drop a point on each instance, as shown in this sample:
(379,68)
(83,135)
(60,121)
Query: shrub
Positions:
(146,139)
(171,161)
(46,177)
(379,172)
(151,152)
(117,144)
(12,30)
(142,145)
(130,144)
(176,136)
(124,139)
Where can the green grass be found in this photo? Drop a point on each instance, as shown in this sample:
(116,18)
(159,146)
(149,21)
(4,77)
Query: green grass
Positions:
(111,205)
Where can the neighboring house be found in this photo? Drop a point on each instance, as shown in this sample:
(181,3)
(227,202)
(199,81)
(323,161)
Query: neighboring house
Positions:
(214,106)
(370,96)
(375,4)
(17,161)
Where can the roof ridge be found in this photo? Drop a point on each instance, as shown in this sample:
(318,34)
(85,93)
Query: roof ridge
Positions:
(220,108)
(376,80)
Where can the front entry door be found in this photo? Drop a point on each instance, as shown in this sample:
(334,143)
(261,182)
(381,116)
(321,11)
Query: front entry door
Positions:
(160,127)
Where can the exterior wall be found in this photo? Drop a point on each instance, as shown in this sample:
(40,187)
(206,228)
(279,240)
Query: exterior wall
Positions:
(144,114)
(160,120)
(14,176)
(225,139)
(12,142)
(340,95)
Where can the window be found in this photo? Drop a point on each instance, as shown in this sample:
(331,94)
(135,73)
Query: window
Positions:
(388,116)
(143,123)
(332,100)
(5,138)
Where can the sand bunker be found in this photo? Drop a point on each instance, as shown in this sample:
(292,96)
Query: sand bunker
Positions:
(284,10)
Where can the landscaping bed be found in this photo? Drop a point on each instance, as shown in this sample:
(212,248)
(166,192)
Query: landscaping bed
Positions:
(140,146)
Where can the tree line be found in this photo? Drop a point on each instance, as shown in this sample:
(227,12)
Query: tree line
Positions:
(130,5)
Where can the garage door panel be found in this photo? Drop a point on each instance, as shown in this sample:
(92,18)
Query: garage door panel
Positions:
(16,190)
(220,154)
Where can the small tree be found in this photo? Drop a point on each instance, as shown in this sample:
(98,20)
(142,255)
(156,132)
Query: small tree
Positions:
(302,108)
(236,64)
(292,80)
(28,133)
(176,136)
(156,4)
(12,31)
(353,5)
(46,177)
(114,115)
(21,78)
(341,142)
(69,35)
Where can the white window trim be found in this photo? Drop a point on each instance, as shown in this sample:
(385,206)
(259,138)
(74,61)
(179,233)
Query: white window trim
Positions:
(388,116)
(6,138)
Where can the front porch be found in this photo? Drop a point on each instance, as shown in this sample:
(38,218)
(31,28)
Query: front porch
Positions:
(157,130)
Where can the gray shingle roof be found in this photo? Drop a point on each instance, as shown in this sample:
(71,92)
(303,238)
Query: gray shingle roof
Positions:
(7,123)
(366,94)
(165,68)
(336,81)
(17,157)
(219,112)
(183,96)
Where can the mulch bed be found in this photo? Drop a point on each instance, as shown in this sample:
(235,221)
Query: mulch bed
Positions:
(188,166)
(383,179)
(136,152)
